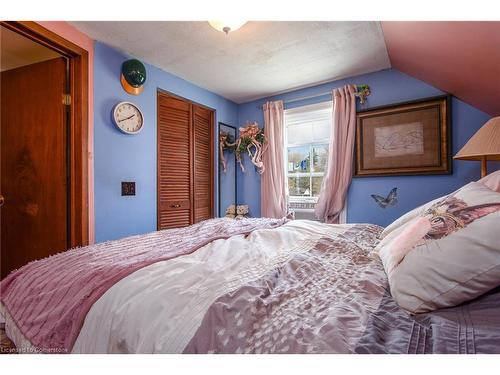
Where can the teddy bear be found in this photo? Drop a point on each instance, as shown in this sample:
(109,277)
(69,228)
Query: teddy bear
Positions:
(231,211)
(242,211)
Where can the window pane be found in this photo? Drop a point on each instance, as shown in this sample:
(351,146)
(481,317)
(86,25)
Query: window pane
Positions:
(299,159)
(316,185)
(299,186)
(320,156)
(301,133)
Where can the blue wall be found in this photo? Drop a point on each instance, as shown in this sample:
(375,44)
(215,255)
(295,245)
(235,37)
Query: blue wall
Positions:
(388,87)
(120,157)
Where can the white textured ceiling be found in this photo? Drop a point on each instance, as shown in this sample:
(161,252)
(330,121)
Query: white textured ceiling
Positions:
(258,60)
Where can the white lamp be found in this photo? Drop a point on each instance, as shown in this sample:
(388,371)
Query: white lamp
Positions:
(226,26)
(484,145)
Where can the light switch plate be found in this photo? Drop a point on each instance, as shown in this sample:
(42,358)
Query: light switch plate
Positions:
(128,188)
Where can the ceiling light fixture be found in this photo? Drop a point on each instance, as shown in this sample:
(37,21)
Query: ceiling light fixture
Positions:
(226,26)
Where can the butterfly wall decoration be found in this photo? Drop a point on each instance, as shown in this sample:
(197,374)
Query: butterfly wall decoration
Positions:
(390,200)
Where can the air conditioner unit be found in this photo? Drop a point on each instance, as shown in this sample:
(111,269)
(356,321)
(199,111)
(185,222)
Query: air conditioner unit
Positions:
(303,209)
(304,214)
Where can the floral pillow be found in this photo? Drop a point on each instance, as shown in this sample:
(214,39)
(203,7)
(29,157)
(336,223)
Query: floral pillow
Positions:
(447,254)
(492,181)
(404,219)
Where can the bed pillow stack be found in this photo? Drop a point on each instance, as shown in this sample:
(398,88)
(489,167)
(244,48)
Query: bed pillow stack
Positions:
(446,252)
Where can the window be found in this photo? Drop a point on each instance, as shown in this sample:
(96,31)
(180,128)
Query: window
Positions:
(306,151)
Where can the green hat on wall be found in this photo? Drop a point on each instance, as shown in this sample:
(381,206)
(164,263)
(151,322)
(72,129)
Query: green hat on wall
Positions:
(133,76)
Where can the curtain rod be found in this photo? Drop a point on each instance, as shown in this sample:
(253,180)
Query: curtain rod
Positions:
(307,97)
(363,91)
(301,98)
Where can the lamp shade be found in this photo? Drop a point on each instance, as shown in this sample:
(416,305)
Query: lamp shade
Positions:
(484,145)
(227,26)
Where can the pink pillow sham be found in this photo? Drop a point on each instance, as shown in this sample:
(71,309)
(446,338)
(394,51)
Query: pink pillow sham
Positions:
(492,181)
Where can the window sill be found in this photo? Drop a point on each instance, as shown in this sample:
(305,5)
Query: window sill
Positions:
(295,199)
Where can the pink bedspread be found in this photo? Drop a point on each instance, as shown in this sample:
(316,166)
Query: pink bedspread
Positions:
(49,298)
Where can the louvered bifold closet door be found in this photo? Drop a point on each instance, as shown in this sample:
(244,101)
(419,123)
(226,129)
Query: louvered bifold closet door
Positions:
(174,162)
(203,163)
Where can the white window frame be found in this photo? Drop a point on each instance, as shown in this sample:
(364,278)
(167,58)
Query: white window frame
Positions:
(294,116)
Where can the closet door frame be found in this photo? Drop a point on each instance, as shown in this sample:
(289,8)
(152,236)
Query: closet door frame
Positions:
(163,92)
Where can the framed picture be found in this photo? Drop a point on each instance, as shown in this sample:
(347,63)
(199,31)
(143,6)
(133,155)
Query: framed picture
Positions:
(404,139)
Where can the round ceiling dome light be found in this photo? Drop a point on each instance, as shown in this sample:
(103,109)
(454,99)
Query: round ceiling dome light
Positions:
(226,26)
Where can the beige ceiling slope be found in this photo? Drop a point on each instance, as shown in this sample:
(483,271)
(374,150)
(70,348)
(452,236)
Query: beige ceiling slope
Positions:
(462,58)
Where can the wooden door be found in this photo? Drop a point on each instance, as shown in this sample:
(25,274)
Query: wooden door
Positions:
(174,185)
(185,162)
(34,217)
(203,163)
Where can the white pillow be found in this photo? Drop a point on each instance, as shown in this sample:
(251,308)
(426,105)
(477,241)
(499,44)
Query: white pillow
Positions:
(448,254)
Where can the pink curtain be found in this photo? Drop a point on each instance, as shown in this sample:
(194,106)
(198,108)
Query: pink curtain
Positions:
(338,175)
(272,185)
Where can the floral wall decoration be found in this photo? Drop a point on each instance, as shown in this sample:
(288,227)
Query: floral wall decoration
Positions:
(363,91)
(251,141)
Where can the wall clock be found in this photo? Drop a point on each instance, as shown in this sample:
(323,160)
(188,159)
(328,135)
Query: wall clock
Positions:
(127,117)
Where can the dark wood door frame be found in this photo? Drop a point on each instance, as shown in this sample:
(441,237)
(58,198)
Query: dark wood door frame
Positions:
(78,139)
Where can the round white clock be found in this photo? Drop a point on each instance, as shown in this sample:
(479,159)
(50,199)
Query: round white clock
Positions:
(128,117)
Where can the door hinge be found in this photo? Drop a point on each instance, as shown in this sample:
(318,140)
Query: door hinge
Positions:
(66,99)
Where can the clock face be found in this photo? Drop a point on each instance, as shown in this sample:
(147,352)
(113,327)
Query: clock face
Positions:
(128,118)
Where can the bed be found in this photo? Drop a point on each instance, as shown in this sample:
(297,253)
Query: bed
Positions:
(233,286)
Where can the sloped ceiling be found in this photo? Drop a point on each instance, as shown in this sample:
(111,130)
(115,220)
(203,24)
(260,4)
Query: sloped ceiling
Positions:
(462,58)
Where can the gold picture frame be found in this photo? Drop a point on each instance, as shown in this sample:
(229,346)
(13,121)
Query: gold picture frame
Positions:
(411,138)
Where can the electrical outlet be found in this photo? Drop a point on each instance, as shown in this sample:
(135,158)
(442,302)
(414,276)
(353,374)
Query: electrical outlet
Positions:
(128,188)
